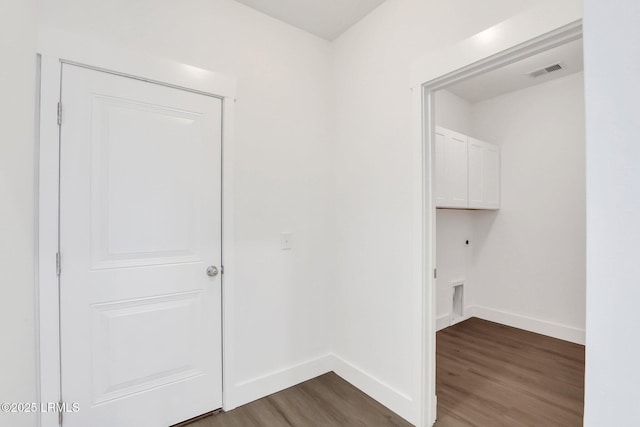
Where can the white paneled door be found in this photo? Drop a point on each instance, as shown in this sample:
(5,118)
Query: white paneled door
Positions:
(140,225)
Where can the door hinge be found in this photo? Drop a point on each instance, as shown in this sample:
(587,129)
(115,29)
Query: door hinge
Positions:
(435,273)
(59,113)
(60,411)
(58,263)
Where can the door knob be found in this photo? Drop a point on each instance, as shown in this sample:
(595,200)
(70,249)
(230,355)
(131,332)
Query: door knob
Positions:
(212,271)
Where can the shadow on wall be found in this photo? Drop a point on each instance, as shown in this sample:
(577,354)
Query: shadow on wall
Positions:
(483,224)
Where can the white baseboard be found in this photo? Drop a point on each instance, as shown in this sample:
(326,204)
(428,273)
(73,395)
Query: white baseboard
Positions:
(555,330)
(257,388)
(443,321)
(434,410)
(397,401)
(393,399)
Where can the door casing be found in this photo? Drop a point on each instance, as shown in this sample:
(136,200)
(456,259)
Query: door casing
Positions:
(132,65)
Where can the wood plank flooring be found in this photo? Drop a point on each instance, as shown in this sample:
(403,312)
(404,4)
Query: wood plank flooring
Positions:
(325,401)
(489,374)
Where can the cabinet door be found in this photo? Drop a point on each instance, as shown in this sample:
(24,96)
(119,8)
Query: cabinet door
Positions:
(475,158)
(484,175)
(439,169)
(450,169)
(491,176)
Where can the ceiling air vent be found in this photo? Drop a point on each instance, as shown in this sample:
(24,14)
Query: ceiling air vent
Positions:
(546,70)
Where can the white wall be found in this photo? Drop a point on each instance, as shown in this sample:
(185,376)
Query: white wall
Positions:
(378,306)
(452,112)
(612,30)
(17,112)
(453,258)
(282,163)
(529,257)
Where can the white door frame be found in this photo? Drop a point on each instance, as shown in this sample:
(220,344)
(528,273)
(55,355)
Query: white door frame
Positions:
(536,30)
(133,65)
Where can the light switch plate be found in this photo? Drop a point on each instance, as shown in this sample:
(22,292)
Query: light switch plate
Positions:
(286,241)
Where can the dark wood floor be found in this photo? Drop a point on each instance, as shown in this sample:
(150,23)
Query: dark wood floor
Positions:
(489,374)
(325,401)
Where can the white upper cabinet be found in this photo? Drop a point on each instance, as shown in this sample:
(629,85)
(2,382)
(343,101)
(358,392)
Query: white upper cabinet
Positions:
(475,150)
(484,175)
(467,172)
(451,169)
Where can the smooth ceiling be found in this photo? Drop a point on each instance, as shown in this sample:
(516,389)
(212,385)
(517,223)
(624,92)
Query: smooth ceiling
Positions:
(324,18)
(514,76)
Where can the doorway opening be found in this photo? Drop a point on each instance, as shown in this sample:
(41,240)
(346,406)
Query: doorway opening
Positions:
(507,212)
